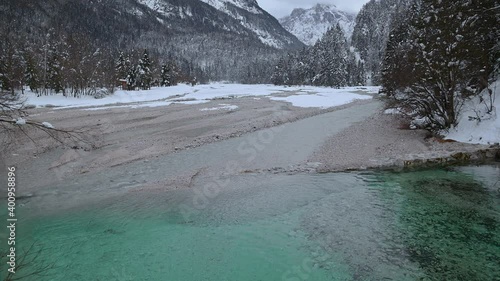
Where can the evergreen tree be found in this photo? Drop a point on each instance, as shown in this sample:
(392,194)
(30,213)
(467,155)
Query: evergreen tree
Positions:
(11,64)
(397,67)
(54,68)
(355,70)
(122,66)
(166,76)
(328,63)
(5,84)
(31,74)
(280,74)
(131,79)
(330,59)
(144,73)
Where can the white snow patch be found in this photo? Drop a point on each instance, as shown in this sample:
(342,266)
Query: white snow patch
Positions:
(392,111)
(148,104)
(471,130)
(186,94)
(357,55)
(334,98)
(191,102)
(21,121)
(221,5)
(419,123)
(152,4)
(47,125)
(221,107)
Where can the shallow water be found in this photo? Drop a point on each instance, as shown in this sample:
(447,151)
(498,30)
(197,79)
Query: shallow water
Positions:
(424,225)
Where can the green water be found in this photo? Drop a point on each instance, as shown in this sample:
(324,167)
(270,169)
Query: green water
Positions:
(425,225)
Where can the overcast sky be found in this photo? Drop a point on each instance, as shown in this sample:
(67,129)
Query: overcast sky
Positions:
(281,8)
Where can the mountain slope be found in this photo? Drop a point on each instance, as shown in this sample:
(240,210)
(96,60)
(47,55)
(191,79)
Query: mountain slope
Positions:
(224,37)
(107,20)
(309,25)
(250,15)
(244,17)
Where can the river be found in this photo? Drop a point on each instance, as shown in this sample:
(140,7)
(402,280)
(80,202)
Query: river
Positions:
(243,217)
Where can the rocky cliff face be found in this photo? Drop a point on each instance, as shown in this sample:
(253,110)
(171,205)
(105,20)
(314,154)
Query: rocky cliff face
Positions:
(242,17)
(309,25)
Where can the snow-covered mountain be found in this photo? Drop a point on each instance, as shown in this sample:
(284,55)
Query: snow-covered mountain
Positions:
(246,16)
(309,25)
(250,15)
(247,5)
(222,36)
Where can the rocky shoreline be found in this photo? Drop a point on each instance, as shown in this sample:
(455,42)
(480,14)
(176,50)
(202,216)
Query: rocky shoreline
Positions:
(479,155)
(382,142)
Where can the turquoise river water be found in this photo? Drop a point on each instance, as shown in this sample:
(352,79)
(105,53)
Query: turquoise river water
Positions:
(439,224)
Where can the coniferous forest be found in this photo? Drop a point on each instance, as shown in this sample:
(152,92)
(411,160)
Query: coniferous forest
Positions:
(330,62)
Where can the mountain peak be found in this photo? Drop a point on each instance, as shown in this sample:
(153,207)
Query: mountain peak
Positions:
(309,25)
(324,6)
(248,5)
(252,17)
(297,11)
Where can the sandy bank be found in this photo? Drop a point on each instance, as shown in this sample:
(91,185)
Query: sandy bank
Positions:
(382,141)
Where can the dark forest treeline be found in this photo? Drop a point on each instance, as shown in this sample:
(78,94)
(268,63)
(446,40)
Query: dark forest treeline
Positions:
(73,65)
(330,62)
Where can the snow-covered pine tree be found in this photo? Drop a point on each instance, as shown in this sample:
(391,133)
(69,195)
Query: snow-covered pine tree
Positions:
(5,84)
(333,52)
(131,79)
(292,63)
(166,76)
(11,64)
(55,62)
(303,67)
(355,70)
(280,74)
(121,66)
(328,63)
(144,73)
(54,67)
(31,73)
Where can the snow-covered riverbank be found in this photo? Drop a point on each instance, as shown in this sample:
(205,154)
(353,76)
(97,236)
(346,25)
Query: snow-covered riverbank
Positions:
(301,96)
(479,121)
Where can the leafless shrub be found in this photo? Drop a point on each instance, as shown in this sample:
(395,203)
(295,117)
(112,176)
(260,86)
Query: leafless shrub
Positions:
(30,264)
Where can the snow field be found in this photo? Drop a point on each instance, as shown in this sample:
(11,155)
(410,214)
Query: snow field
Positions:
(320,97)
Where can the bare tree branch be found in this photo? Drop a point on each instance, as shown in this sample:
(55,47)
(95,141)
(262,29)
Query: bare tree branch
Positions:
(30,264)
